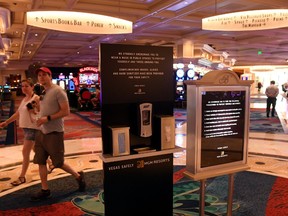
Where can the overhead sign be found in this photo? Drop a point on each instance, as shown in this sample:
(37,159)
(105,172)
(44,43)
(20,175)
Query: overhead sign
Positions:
(88,69)
(78,22)
(247,20)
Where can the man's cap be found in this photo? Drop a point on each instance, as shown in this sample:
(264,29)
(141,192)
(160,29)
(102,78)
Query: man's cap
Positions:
(44,69)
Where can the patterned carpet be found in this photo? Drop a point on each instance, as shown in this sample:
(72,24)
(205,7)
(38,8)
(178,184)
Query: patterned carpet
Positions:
(93,117)
(254,194)
(75,127)
(258,121)
(6,111)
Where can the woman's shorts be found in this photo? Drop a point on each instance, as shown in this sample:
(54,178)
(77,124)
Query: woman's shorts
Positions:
(29,134)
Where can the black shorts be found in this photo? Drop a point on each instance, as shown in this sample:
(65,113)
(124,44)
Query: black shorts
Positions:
(51,144)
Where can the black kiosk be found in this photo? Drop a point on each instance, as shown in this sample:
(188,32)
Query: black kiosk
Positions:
(138,129)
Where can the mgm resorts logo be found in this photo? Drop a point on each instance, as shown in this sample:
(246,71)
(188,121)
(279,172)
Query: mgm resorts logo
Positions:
(140,164)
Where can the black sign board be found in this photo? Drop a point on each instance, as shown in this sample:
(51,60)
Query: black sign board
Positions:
(132,77)
(217,124)
(136,73)
(222,136)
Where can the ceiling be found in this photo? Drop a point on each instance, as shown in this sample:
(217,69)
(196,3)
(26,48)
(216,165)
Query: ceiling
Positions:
(156,22)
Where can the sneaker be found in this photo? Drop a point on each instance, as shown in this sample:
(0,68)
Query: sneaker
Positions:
(41,195)
(81,182)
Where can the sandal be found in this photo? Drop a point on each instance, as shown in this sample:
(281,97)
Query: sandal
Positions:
(51,167)
(19,181)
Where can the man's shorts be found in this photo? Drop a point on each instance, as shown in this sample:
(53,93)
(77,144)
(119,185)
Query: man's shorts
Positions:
(51,144)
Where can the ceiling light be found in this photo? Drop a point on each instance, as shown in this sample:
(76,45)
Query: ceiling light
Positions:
(247,20)
(8,54)
(78,22)
(5,19)
(6,42)
(180,65)
(262,68)
(181,5)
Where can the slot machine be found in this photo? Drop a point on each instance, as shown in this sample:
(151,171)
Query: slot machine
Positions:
(90,77)
(190,73)
(180,77)
(62,81)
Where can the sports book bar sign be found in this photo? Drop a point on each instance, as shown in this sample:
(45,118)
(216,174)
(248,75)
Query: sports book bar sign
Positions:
(78,22)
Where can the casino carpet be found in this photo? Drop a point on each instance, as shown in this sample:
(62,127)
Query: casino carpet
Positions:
(77,128)
(93,117)
(254,195)
(7,133)
(258,121)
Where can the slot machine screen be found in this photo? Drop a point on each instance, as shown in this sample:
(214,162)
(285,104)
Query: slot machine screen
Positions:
(71,86)
(180,74)
(62,84)
(190,74)
(88,78)
(7,88)
(61,76)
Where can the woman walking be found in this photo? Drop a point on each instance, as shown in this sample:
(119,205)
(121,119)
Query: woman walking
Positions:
(27,115)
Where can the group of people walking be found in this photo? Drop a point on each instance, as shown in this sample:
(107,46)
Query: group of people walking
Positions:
(41,118)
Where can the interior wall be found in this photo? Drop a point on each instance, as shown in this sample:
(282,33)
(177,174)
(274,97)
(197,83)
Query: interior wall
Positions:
(6,73)
(279,76)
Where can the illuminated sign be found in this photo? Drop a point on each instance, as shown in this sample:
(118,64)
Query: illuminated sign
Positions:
(247,20)
(88,69)
(78,22)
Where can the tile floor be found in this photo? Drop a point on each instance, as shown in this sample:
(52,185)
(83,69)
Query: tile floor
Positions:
(268,153)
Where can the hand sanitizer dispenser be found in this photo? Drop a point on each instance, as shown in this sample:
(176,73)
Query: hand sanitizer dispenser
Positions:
(145,120)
